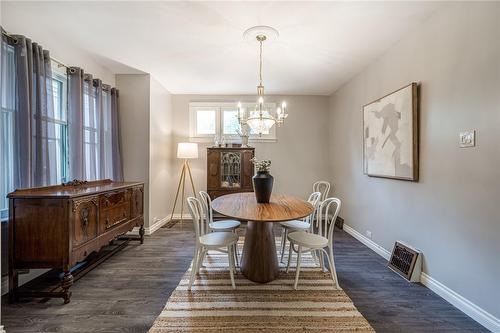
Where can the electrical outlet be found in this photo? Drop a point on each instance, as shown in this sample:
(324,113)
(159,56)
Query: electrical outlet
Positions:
(467,139)
(369,234)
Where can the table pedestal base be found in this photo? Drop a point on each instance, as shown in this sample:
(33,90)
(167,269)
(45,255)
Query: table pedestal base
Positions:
(259,261)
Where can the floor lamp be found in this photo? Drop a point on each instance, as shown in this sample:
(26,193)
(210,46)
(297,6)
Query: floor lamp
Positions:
(185,151)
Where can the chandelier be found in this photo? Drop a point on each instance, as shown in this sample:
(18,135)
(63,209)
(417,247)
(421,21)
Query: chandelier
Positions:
(260,118)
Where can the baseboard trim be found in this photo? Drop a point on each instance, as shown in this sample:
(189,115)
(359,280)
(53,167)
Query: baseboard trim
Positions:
(368,242)
(463,304)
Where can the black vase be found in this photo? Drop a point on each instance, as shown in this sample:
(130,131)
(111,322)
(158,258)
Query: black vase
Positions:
(263,186)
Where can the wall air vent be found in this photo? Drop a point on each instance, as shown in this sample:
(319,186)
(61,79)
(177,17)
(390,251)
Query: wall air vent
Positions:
(406,261)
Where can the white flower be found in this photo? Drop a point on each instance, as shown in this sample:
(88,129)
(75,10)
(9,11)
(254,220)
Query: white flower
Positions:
(262,166)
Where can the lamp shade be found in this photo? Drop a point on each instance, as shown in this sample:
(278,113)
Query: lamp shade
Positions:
(187,150)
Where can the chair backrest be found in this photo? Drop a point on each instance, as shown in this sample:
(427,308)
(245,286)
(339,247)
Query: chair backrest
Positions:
(327,215)
(196,211)
(206,202)
(323,187)
(314,199)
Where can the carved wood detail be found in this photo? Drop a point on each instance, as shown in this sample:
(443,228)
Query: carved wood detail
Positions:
(78,202)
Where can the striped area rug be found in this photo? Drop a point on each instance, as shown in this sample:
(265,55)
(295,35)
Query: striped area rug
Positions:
(213,306)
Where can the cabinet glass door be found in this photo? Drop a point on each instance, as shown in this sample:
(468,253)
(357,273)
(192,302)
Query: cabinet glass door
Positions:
(230,169)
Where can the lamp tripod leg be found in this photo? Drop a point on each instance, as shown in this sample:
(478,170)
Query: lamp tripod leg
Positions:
(183,186)
(181,181)
(191,178)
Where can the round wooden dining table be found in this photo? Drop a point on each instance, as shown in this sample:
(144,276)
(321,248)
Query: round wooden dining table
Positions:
(259,261)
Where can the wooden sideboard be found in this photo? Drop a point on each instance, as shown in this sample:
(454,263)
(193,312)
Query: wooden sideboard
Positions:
(60,226)
(229,170)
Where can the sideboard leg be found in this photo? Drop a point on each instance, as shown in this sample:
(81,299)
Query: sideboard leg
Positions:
(66,283)
(141,233)
(13,284)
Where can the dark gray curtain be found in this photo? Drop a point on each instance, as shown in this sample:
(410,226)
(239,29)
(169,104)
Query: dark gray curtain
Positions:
(94,139)
(76,165)
(115,136)
(34,157)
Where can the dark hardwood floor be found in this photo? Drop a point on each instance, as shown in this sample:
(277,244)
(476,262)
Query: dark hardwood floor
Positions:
(128,291)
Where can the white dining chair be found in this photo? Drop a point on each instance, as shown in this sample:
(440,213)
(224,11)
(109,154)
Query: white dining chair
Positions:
(319,240)
(221,225)
(206,241)
(295,225)
(323,187)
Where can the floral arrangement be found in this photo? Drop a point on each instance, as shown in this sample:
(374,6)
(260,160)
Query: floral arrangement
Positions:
(261,166)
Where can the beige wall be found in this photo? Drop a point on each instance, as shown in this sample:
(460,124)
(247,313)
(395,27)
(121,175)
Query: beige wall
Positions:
(452,214)
(299,157)
(146,131)
(161,178)
(134,130)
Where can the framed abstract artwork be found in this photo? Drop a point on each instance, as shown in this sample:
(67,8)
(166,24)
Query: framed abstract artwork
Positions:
(390,135)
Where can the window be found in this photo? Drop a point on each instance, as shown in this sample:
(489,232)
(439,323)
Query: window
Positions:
(90,131)
(8,108)
(208,120)
(55,122)
(58,128)
(230,124)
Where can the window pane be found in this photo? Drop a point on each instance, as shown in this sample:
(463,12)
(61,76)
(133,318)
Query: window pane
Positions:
(230,122)
(57,95)
(7,113)
(205,122)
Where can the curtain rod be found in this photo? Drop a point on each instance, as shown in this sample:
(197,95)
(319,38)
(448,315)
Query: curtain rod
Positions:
(59,63)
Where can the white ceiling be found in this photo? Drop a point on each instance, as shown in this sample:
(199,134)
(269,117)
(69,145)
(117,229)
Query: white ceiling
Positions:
(197,47)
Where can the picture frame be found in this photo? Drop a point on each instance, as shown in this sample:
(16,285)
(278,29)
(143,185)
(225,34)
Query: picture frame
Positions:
(391,135)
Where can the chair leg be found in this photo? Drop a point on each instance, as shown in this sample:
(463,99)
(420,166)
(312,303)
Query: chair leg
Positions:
(230,255)
(333,271)
(284,233)
(235,258)
(297,272)
(314,256)
(203,253)
(194,267)
(321,261)
(290,249)
(236,250)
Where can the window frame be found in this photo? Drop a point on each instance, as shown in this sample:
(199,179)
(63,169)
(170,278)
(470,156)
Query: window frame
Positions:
(193,120)
(9,114)
(220,107)
(89,95)
(62,79)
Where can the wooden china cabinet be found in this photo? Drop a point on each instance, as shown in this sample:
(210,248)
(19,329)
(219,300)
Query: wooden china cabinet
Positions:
(229,170)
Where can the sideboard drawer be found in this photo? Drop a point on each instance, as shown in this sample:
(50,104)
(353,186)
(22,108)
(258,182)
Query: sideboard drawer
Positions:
(112,199)
(85,214)
(115,216)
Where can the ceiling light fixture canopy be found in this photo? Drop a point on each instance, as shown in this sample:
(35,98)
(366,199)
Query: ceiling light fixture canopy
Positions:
(260,118)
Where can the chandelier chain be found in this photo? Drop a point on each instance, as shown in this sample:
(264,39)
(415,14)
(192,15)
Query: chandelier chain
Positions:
(260,63)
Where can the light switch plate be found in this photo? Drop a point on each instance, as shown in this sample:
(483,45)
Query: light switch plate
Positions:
(467,139)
